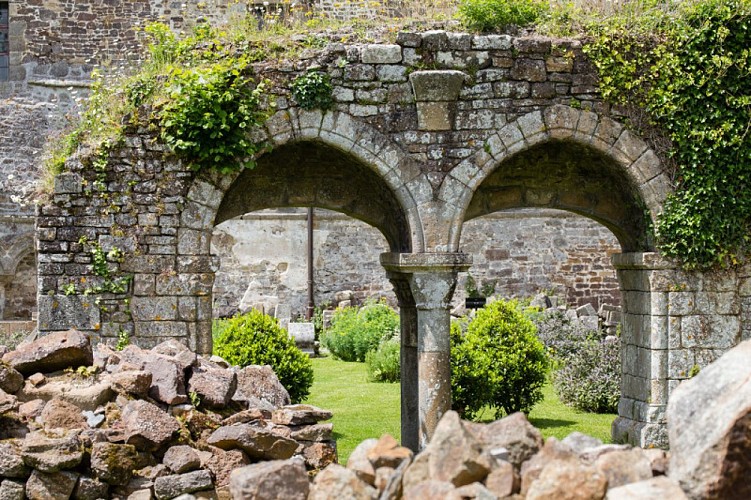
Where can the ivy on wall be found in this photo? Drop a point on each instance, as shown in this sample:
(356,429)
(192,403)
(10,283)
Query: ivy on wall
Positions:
(691,71)
(688,66)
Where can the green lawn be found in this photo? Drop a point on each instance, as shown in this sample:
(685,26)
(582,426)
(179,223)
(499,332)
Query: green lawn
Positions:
(365,410)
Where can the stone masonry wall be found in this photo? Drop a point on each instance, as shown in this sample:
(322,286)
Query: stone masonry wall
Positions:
(518,253)
(513,96)
(677,323)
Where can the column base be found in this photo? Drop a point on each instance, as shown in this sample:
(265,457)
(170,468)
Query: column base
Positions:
(643,434)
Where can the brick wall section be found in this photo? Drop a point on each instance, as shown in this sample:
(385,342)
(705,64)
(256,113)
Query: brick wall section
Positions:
(519,253)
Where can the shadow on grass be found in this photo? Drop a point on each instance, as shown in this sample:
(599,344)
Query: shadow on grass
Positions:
(550,423)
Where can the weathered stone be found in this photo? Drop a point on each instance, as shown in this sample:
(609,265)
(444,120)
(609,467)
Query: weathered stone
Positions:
(476,491)
(579,442)
(319,454)
(358,461)
(32,409)
(222,463)
(709,423)
(178,484)
(52,454)
(590,455)
(90,488)
(436,86)
(274,479)
(388,453)
(59,414)
(113,463)
(503,479)
(659,461)
(256,383)
(382,477)
(393,489)
(381,54)
(51,353)
(135,382)
(180,459)
(258,443)
(431,489)
(214,386)
(336,481)
(85,393)
(50,486)
(313,432)
(657,488)
(515,433)
(11,462)
(246,416)
(167,380)
(552,450)
(568,479)
(146,426)
(624,467)
(454,454)
(178,352)
(11,490)
(11,379)
(300,415)
(8,402)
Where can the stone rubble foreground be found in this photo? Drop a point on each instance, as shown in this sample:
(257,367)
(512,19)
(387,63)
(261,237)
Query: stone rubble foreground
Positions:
(77,422)
(127,432)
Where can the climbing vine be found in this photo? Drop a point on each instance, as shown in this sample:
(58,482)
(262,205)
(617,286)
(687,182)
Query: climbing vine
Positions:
(690,70)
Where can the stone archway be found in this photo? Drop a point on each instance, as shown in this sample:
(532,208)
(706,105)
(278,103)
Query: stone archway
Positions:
(18,278)
(574,160)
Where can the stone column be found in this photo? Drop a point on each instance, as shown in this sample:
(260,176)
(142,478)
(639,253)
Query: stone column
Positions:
(2,299)
(408,360)
(431,278)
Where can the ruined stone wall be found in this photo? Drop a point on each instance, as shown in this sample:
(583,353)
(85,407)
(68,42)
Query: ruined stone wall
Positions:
(677,323)
(54,46)
(516,254)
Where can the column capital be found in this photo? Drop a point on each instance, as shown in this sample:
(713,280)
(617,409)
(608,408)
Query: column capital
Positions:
(410,263)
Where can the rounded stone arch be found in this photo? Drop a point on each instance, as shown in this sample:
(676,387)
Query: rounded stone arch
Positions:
(569,159)
(17,249)
(327,160)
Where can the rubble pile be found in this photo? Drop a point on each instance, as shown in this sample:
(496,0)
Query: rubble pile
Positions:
(77,422)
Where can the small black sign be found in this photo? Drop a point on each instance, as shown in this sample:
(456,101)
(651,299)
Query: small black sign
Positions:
(474,302)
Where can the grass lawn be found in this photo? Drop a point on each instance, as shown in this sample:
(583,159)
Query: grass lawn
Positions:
(365,410)
(361,409)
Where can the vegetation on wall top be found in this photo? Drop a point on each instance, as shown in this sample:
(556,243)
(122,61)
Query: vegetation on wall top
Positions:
(686,65)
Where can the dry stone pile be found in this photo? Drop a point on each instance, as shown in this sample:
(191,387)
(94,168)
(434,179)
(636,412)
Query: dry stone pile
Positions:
(119,425)
(77,422)
(708,419)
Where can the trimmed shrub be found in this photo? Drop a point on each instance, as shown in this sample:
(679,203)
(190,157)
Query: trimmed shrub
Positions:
(354,332)
(497,362)
(591,378)
(257,339)
(491,15)
(384,363)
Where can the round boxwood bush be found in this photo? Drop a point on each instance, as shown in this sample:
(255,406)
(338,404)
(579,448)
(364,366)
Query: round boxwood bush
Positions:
(257,339)
(355,332)
(497,362)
